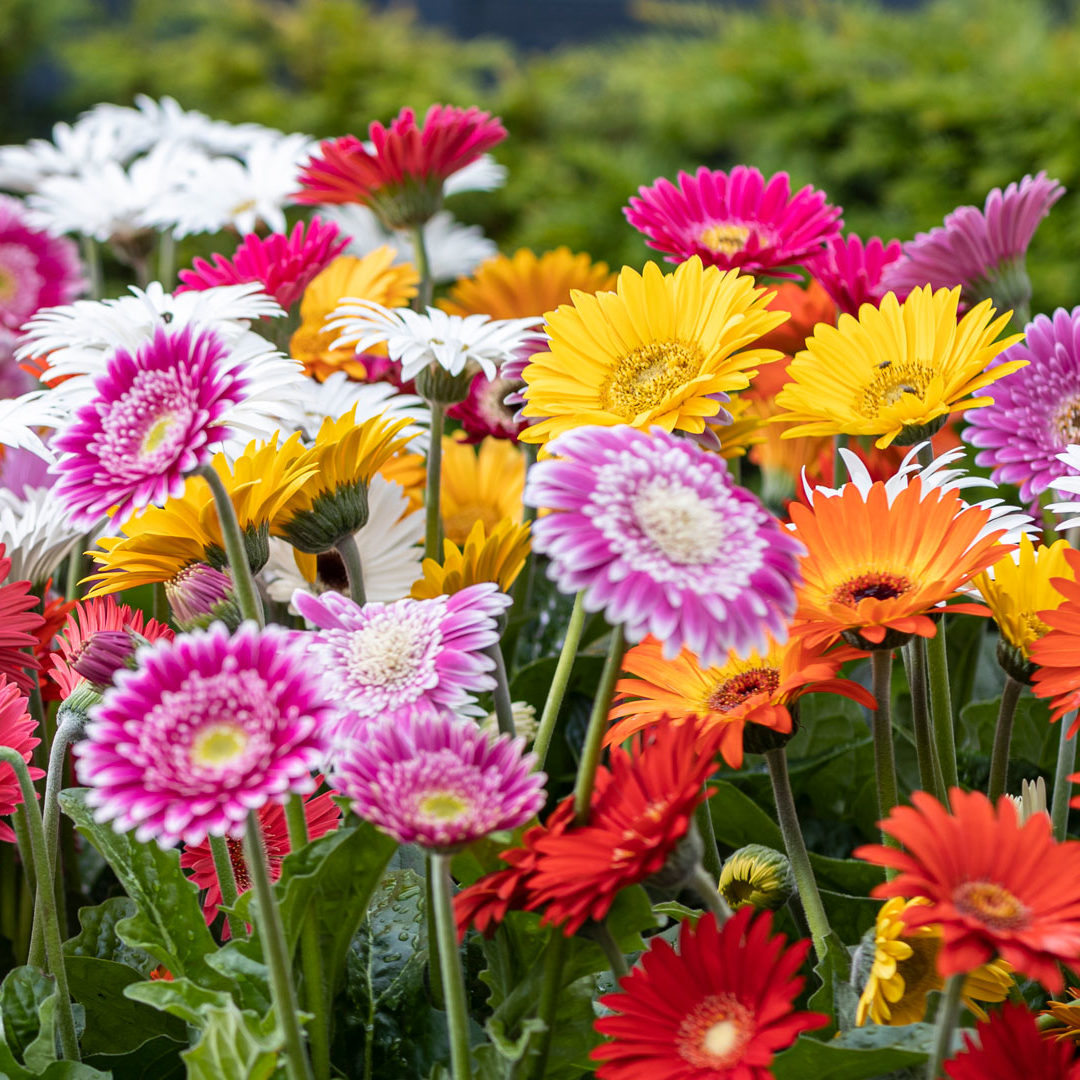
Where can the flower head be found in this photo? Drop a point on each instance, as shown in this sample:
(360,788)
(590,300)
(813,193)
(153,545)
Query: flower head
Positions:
(36,531)
(1067,1015)
(661,540)
(19,624)
(718,1009)
(486,409)
(498,557)
(852,271)
(482,483)
(209,727)
(757,875)
(1011,1047)
(17,729)
(200,595)
(1054,654)
(735,220)
(995,887)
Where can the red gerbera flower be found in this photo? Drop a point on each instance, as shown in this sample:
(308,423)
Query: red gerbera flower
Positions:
(718,1009)
(284,265)
(17,731)
(322,815)
(997,888)
(19,624)
(1056,653)
(55,615)
(1012,1048)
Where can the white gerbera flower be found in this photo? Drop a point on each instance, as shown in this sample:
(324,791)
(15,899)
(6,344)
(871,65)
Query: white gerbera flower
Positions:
(483,174)
(36,532)
(390,545)
(338,394)
(21,416)
(1069,487)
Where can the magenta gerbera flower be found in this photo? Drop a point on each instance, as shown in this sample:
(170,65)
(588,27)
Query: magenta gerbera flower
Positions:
(651,526)
(980,250)
(207,728)
(382,657)
(284,265)
(735,220)
(17,729)
(427,777)
(851,271)
(1035,413)
(486,410)
(156,417)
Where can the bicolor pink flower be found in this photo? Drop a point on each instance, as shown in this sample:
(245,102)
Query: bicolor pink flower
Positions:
(433,779)
(1035,412)
(652,527)
(155,418)
(17,729)
(851,271)
(379,658)
(735,220)
(486,410)
(284,265)
(209,727)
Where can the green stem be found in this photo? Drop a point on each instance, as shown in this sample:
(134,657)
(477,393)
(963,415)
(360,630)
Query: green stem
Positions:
(247,597)
(548,1007)
(706,887)
(354,568)
(795,846)
(504,709)
(594,735)
(1066,764)
(274,952)
(711,856)
(159,608)
(930,775)
(941,705)
(423,267)
(615,957)
(435,976)
(947,1015)
(432,521)
(453,978)
(559,681)
(166,259)
(223,864)
(839,470)
(73,572)
(999,760)
(92,258)
(46,899)
(881,726)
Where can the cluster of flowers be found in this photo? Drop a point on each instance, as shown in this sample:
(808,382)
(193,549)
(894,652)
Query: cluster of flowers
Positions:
(334,570)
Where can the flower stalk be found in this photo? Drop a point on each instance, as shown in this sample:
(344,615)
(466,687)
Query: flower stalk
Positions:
(947,1015)
(504,710)
(453,978)
(881,726)
(560,680)
(354,568)
(930,774)
(1066,764)
(999,760)
(223,867)
(432,520)
(594,735)
(247,597)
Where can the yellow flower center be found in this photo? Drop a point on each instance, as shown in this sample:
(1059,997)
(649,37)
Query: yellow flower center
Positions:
(991,904)
(1031,628)
(678,521)
(734,691)
(8,284)
(724,238)
(891,382)
(876,586)
(714,1034)
(1067,421)
(919,970)
(157,435)
(443,805)
(243,207)
(218,745)
(645,378)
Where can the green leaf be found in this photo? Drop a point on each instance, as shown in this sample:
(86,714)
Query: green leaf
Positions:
(1034,738)
(234,1046)
(178,997)
(98,937)
(860,1054)
(156,1059)
(23,994)
(835,996)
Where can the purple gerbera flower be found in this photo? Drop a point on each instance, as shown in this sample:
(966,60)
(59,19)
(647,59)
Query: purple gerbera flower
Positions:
(980,250)
(1035,413)
(207,728)
(381,657)
(427,777)
(156,417)
(653,529)
(851,271)
(737,220)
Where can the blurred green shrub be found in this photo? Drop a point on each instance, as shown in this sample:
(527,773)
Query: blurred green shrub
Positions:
(898,114)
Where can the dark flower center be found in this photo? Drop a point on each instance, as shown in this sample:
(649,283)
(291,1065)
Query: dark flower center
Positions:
(874,586)
(734,691)
(991,904)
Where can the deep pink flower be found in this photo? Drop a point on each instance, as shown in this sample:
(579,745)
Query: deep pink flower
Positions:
(735,220)
(285,265)
(19,624)
(653,529)
(17,729)
(155,418)
(851,271)
(427,777)
(209,727)
(485,410)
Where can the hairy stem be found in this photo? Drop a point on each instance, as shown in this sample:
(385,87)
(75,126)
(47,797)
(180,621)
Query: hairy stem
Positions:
(559,681)
(1066,764)
(999,760)
(432,520)
(223,866)
(354,568)
(881,725)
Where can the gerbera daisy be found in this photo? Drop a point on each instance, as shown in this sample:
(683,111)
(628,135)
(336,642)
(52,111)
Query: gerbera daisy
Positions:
(737,220)
(1067,1015)
(756,688)
(1068,486)
(321,815)
(897,371)
(209,727)
(996,888)
(200,595)
(401,176)
(427,777)
(37,532)
(1011,1047)
(17,729)
(1057,674)
(806,307)
(747,429)
(54,613)
(337,394)
(1033,417)
(487,410)
(661,540)
(982,251)
(498,557)
(718,1009)
(382,657)
(663,350)
(19,623)
(904,970)
(482,484)
(282,264)
(757,876)
(851,271)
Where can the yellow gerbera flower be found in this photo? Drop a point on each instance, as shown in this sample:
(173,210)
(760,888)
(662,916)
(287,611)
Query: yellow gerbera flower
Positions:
(747,428)
(896,371)
(904,971)
(485,485)
(519,285)
(654,352)
(497,557)
(410,472)
(162,541)
(369,278)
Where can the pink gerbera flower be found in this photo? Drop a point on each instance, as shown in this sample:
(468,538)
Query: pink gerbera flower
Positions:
(155,418)
(19,624)
(401,177)
(735,220)
(427,777)
(653,529)
(17,731)
(851,271)
(486,411)
(209,727)
(284,265)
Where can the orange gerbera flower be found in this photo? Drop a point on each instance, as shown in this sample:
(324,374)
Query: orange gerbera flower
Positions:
(756,689)
(996,887)
(1057,653)
(881,558)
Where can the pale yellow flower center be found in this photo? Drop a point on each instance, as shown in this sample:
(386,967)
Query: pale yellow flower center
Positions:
(242,208)
(157,434)
(644,379)
(678,521)
(991,904)
(726,239)
(8,285)
(443,805)
(1067,421)
(714,1034)
(891,382)
(218,745)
